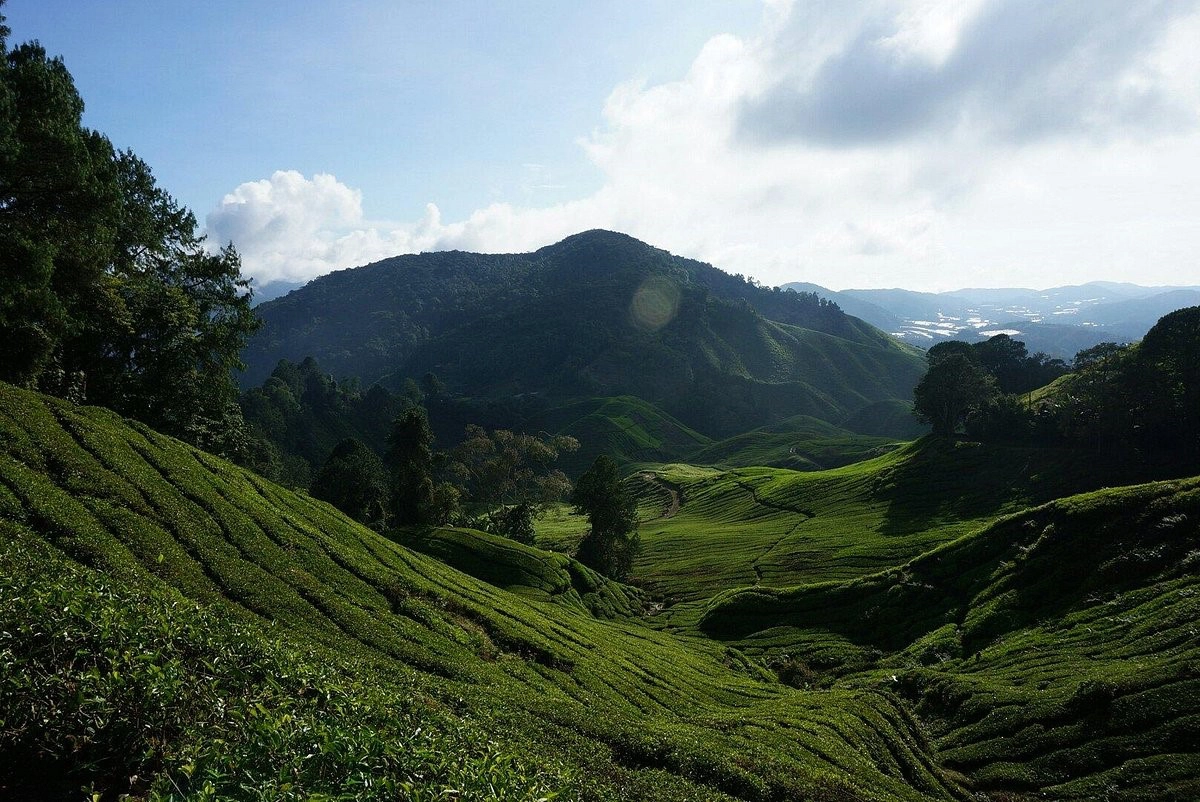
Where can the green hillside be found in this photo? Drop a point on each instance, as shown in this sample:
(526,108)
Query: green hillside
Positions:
(620,709)
(910,627)
(599,314)
(1054,651)
(801,443)
(628,429)
(889,418)
(778,527)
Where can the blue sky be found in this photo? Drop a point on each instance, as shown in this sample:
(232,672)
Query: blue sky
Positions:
(930,144)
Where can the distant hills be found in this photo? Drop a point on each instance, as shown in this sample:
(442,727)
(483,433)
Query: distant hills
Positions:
(1059,321)
(597,315)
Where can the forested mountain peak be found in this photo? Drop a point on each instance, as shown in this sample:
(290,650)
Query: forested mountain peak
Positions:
(598,314)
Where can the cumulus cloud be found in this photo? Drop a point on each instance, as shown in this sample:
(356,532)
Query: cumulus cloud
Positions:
(1016,70)
(291,228)
(930,144)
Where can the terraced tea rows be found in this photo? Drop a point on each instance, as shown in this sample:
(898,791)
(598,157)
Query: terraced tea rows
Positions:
(967,644)
(647,715)
(1055,651)
(776,527)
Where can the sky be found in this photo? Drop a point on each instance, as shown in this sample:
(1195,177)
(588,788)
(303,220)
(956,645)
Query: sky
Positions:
(926,144)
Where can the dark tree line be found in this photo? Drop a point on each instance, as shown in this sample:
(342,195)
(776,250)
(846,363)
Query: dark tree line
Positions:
(965,378)
(109,294)
(374,455)
(1139,401)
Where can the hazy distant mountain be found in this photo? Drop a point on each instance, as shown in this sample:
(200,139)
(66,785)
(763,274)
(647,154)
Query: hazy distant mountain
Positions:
(873,313)
(1059,321)
(598,314)
(1129,317)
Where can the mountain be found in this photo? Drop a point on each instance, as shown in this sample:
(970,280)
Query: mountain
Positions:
(1129,317)
(599,314)
(873,313)
(1060,321)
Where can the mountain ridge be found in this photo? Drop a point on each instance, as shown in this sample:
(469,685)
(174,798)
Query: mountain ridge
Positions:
(596,314)
(1059,321)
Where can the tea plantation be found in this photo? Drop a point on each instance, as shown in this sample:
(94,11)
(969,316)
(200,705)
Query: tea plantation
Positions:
(935,623)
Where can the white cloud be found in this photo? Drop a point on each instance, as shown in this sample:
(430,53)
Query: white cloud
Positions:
(291,228)
(928,144)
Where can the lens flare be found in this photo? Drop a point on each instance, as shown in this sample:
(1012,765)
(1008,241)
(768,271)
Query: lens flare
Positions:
(654,304)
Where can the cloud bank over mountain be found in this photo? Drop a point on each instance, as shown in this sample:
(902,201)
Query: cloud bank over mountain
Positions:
(930,144)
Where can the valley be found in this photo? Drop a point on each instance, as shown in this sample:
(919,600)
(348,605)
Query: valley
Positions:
(928,624)
(490,432)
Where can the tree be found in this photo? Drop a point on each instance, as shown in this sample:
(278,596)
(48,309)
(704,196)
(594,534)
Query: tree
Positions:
(109,292)
(1006,359)
(952,386)
(1166,366)
(354,480)
(511,476)
(612,543)
(410,458)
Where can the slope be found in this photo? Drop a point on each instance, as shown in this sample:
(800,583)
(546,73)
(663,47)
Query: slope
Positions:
(626,428)
(777,527)
(627,711)
(800,443)
(1053,652)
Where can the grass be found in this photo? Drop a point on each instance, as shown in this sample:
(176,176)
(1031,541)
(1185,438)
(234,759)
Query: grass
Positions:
(622,710)
(626,428)
(800,443)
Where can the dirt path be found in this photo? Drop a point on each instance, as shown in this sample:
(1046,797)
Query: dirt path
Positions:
(807,515)
(672,507)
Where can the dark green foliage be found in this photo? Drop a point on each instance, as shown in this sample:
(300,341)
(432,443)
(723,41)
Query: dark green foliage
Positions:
(1015,371)
(1168,375)
(509,477)
(301,413)
(1007,419)
(570,321)
(109,292)
(1138,405)
(410,460)
(355,481)
(612,541)
(967,384)
(954,384)
(514,523)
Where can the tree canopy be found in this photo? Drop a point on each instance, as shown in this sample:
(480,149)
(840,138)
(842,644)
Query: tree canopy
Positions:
(511,476)
(410,458)
(612,543)
(1136,405)
(953,385)
(355,481)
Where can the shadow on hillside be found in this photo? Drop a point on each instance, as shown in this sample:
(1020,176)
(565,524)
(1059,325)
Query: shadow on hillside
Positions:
(946,480)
